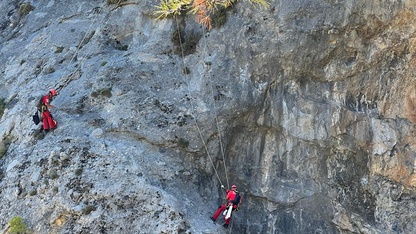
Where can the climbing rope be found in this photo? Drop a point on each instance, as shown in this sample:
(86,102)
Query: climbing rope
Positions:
(192,106)
(69,76)
(215,110)
(217,124)
(215,114)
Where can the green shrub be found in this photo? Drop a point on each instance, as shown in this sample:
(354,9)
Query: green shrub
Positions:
(17,226)
(25,8)
(3,149)
(106,92)
(4,145)
(202,9)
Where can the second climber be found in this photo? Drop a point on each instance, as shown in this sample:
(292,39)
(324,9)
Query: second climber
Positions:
(47,120)
(233,199)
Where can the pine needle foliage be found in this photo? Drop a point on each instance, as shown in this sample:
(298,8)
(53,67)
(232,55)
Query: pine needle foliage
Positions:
(202,9)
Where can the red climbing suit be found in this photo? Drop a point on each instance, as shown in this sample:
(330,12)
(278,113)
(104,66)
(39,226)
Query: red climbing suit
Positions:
(47,119)
(230,197)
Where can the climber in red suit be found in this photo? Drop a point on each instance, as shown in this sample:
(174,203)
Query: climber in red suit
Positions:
(47,119)
(230,197)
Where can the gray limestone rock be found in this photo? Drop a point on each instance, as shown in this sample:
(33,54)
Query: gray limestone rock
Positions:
(307,106)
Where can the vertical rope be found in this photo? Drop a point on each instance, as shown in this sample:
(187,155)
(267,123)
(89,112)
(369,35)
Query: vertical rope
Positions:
(76,53)
(192,106)
(217,122)
(215,112)
(84,58)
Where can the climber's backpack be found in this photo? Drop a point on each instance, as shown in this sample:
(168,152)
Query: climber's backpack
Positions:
(36,118)
(39,103)
(237,198)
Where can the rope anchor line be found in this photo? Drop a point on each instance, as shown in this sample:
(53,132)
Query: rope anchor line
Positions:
(192,107)
(69,76)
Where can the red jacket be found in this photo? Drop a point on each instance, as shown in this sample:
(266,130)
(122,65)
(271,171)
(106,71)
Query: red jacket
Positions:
(45,100)
(231,195)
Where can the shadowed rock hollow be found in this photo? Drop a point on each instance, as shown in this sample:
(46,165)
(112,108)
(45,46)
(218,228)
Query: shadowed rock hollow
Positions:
(309,105)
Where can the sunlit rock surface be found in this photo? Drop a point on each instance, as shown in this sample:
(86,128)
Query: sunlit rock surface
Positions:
(308,106)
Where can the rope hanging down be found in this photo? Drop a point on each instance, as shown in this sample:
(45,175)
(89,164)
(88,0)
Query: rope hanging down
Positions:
(67,78)
(192,114)
(192,106)
(216,119)
(215,111)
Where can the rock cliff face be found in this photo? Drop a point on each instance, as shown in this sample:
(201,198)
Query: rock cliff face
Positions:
(307,106)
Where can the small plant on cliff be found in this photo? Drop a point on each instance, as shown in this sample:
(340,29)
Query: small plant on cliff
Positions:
(2,106)
(17,226)
(59,49)
(25,8)
(202,9)
(105,92)
(3,149)
(4,145)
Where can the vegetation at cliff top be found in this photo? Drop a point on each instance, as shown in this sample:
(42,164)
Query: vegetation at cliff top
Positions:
(202,9)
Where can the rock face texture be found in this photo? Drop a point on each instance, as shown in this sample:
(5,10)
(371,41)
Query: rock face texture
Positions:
(307,106)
